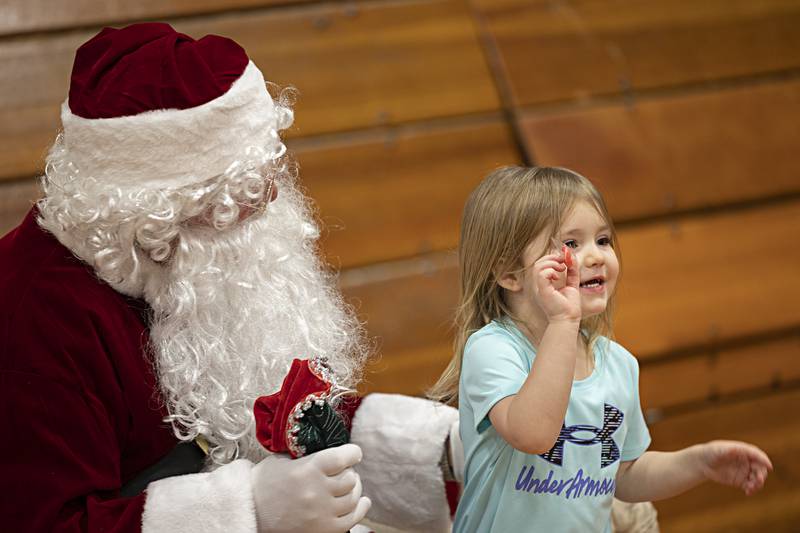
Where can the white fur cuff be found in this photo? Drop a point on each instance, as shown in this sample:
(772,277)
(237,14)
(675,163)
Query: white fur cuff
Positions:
(214,502)
(402,439)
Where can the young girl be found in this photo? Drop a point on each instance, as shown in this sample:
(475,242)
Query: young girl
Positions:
(550,416)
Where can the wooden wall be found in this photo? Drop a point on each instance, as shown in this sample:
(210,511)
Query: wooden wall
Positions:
(683,112)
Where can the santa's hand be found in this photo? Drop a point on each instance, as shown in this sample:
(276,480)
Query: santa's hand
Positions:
(318,493)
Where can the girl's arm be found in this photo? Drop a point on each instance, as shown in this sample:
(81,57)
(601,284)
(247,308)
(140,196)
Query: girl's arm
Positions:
(531,419)
(659,475)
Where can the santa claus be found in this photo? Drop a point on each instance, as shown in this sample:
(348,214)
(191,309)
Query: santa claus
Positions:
(167,279)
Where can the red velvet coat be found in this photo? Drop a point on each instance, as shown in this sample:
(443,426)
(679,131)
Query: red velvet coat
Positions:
(79,411)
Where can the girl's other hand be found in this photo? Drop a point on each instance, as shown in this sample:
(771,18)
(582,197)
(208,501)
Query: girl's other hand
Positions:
(736,464)
(557,286)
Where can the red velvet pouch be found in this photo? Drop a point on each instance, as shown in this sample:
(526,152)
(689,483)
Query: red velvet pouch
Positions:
(299,418)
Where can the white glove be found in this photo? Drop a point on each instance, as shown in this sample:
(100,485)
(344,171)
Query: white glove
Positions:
(318,493)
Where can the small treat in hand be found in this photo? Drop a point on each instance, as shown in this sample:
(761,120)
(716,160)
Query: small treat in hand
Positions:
(300,418)
(565,251)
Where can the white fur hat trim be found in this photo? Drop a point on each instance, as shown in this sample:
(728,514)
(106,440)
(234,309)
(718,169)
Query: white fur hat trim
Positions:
(172,148)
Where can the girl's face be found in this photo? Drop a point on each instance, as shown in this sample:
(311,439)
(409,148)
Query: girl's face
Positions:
(588,236)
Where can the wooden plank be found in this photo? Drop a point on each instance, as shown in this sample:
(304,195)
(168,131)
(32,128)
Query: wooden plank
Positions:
(21,16)
(575,50)
(407,305)
(16,199)
(29,117)
(411,372)
(362,65)
(679,152)
(707,376)
(399,194)
(693,284)
(697,280)
(371,65)
(769,422)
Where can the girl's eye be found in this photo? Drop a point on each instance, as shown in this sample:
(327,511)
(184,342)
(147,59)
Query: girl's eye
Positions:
(604,241)
(571,243)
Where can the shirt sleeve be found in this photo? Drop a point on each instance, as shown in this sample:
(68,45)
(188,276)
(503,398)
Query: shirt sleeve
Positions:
(637,438)
(62,437)
(59,461)
(492,368)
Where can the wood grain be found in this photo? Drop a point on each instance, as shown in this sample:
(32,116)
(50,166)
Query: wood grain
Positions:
(399,194)
(769,422)
(411,372)
(679,152)
(574,50)
(361,65)
(708,376)
(21,16)
(355,67)
(701,279)
(407,306)
(16,199)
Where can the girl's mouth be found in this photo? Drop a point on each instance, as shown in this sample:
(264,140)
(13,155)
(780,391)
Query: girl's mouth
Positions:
(593,285)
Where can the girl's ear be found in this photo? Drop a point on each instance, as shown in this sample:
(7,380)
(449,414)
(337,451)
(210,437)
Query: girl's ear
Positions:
(509,279)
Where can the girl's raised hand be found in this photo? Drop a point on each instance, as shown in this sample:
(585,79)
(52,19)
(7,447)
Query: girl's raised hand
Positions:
(736,464)
(557,286)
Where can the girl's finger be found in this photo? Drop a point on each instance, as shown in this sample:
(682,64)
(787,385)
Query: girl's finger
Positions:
(558,258)
(756,484)
(762,476)
(561,267)
(762,459)
(757,456)
(550,274)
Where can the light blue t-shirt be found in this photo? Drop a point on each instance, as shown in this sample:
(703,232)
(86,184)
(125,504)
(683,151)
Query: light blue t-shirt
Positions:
(571,487)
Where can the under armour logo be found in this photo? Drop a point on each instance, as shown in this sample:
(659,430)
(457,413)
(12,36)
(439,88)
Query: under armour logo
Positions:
(612,420)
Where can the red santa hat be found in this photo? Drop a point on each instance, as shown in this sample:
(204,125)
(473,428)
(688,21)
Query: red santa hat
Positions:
(149,107)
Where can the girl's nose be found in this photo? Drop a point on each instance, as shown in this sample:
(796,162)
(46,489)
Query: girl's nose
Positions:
(591,255)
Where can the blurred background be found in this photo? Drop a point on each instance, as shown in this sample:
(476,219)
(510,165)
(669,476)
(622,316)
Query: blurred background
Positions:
(684,113)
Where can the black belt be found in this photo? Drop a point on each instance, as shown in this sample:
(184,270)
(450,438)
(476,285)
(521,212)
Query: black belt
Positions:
(185,458)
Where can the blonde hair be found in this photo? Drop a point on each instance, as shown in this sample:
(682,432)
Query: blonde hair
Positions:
(503,215)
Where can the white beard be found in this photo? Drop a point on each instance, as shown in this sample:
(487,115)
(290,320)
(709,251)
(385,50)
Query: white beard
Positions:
(232,309)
